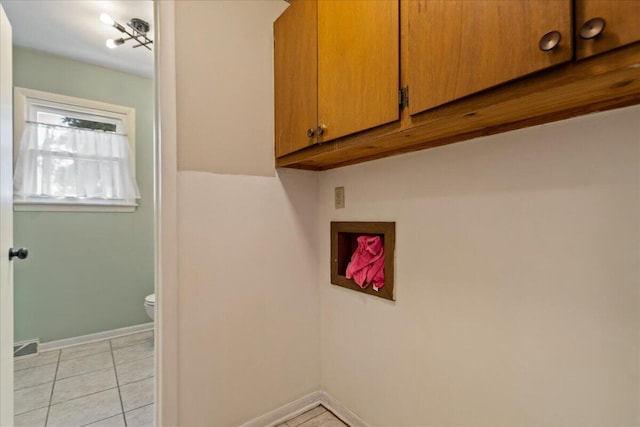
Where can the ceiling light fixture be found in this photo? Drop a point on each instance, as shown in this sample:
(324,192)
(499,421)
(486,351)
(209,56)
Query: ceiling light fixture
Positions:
(114,43)
(106,19)
(138,32)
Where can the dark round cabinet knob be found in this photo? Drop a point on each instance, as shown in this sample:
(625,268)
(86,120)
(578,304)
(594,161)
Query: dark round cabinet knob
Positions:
(321,129)
(549,41)
(21,253)
(310,132)
(592,28)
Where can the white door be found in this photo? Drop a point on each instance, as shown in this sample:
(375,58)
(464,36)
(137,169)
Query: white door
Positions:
(6,223)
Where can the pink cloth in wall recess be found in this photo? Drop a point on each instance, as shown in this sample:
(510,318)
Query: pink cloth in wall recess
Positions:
(367,263)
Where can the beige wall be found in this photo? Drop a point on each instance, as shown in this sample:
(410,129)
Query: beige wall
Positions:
(249,311)
(517,281)
(248,322)
(224,52)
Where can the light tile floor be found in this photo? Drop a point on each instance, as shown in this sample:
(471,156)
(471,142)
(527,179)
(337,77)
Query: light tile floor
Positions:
(107,383)
(316,417)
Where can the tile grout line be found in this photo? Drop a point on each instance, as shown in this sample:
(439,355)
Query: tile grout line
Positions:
(86,355)
(91,372)
(32,410)
(84,395)
(53,386)
(139,379)
(92,354)
(115,370)
(139,407)
(36,366)
(126,362)
(101,419)
(111,348)
(84,373)
(134,343)
(58,361)
(65,378)
(80,357)
(32,385)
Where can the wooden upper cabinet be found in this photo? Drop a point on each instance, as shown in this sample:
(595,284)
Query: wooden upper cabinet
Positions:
(621,19)
(358,65)
(336,70)
(295,77)
(458,47)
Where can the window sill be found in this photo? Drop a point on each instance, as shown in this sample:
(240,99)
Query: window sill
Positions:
(21,206)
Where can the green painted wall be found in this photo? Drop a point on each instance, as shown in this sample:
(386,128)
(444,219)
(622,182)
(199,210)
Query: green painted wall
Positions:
(86,272)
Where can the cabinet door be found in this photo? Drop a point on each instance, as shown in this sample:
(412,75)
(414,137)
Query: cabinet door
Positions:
(295,77)
(459,47)
(621,25)
(358,65)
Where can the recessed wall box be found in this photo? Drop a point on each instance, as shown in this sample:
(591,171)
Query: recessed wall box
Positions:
(344,243)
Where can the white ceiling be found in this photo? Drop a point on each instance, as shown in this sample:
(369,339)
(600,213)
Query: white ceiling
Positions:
(73,29)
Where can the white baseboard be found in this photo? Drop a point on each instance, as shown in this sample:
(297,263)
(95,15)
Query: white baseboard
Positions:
(85,339)
(286,412)
(299,406)
(341,411)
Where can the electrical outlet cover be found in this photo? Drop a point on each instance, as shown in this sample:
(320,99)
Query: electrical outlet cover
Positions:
(339,197)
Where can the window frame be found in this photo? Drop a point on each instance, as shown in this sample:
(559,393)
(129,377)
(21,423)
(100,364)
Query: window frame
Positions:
(26,101)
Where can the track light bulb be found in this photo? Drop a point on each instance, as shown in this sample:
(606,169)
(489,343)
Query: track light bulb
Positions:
(107,19)
(112,44)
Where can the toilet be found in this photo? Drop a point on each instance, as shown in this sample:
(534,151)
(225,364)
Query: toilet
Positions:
(150,305)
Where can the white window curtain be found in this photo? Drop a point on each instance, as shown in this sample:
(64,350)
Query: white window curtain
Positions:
(56,162)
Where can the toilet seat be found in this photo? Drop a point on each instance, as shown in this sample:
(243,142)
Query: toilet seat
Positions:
(150,300)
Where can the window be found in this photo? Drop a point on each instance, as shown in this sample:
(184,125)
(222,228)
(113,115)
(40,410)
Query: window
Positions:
(73,154)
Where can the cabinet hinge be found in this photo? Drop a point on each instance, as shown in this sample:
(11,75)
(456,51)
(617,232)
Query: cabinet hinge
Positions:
(403,95)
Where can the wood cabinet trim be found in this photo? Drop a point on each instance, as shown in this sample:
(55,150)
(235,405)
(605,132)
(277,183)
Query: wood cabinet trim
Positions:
(610,80)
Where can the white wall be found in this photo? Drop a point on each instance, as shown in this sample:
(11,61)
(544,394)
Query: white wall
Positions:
(517,280)
(249,311)
(224,55)
(248,299)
